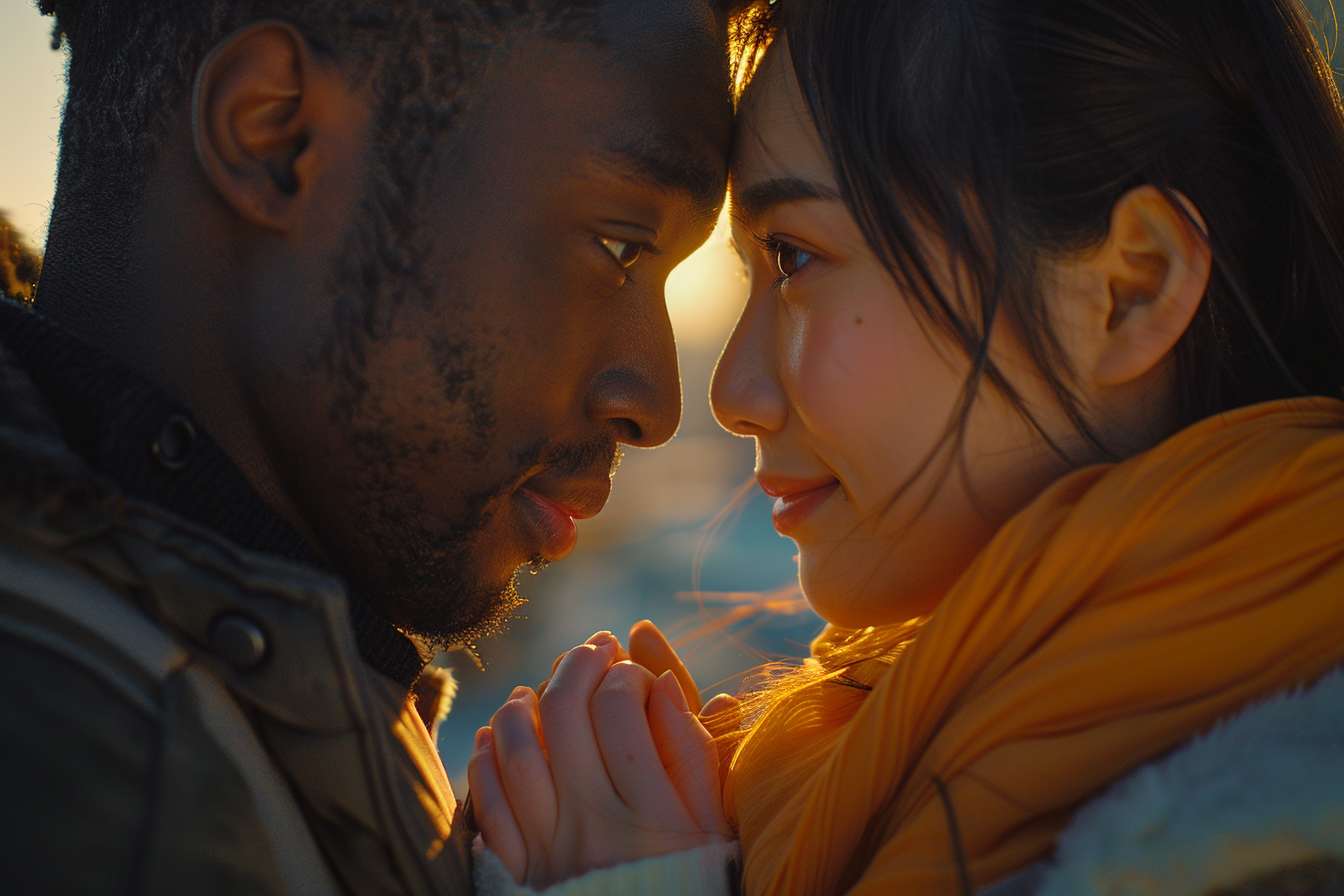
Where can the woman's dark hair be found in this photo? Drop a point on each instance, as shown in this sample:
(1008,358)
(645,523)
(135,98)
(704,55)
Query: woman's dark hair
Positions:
(1016,125)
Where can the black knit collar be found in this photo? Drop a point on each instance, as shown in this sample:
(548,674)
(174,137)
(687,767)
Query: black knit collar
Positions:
(133,434)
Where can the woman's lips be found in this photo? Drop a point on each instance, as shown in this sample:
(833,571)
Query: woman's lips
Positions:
(553,522)
(795,499)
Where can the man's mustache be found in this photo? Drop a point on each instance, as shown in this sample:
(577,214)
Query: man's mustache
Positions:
(574,459)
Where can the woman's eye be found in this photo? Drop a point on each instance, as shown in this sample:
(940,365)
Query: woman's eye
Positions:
(790,259)
(625,253)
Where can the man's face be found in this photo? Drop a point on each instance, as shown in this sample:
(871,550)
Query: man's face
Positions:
(462,437)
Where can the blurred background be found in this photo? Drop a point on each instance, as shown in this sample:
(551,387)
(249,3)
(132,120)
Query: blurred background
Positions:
(673,545)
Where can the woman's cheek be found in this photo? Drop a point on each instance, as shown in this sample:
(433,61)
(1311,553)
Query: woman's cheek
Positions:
(868,386)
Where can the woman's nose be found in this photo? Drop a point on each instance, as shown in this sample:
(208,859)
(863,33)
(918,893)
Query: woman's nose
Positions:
(745,394)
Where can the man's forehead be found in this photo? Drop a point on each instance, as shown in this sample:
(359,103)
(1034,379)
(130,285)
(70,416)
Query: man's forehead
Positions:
(677,51)
(670,162)
(587,108)
(653,28)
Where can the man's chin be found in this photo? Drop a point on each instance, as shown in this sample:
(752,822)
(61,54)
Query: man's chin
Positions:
(449,621)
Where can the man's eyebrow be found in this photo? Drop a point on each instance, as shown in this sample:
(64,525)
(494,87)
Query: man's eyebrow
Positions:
(672,163)
(751,203)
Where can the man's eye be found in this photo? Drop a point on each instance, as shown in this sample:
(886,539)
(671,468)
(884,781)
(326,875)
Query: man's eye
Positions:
(625,253)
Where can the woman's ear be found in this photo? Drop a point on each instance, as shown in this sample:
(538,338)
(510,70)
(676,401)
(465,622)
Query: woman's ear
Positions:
(262,102)
(1154,267)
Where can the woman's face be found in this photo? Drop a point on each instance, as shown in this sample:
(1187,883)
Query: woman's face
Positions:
(849,392)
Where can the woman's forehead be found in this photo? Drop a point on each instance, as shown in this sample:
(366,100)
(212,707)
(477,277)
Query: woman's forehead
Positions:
(774,136)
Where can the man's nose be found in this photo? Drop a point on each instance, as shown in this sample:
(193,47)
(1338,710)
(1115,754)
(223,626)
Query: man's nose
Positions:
(745,394)
(639,393)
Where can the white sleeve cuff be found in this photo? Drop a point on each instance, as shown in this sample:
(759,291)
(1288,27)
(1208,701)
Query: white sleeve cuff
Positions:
(712,870)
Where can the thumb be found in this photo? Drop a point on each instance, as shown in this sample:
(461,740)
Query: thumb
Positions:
(651,650)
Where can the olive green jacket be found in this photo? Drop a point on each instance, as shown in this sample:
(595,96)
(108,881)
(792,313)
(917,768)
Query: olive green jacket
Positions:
(178,715)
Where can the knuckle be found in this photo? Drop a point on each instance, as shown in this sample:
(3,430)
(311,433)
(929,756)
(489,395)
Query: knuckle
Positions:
(520,769)
(514,732)
(585,654)
(555,704)
(577,666)
(626,676)
(610,697)
(550,698)
(509,717)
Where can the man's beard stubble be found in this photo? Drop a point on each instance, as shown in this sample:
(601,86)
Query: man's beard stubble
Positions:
(439,595)
(433,589)
(429,590)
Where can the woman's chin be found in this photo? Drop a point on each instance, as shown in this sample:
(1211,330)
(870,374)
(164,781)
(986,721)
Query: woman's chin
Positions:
(845,608)
(861,599)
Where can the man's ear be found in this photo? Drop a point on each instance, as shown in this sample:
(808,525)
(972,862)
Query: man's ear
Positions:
(1155,267)
(259,99)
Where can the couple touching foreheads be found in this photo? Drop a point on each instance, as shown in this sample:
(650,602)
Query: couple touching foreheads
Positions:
(1043,359)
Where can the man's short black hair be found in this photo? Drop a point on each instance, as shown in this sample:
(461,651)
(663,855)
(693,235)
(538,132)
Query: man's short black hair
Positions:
(132,63)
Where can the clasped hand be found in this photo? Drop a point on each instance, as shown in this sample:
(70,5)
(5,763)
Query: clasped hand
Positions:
(609,764)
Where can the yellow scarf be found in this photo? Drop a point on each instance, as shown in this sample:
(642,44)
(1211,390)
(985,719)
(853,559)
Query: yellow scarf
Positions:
(1125,610)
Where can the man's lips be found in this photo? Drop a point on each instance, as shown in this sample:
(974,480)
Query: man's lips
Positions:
(795,498)
(554,518)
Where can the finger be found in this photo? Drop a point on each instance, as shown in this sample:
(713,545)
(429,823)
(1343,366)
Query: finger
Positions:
(620,655)
(719,703)
(721,715)
(524,771)
(688,754)
(654,652)
(494,817)
(620,721)
(566,722)
(619,649)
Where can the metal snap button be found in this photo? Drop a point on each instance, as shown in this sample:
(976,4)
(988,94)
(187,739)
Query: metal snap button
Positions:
(172,449)
(238,641)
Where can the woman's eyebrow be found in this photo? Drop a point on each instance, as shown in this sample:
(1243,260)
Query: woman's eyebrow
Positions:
(750,203)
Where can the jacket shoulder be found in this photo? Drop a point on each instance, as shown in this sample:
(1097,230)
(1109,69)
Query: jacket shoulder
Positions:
(111,760)
(272,761)
(1253,804)
(62,716)
(47,601)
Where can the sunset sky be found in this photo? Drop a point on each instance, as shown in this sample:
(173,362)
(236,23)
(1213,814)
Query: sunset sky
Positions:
(32,86)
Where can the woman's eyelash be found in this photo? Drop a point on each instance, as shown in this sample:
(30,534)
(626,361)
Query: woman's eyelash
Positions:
(773,247)
(768,243)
